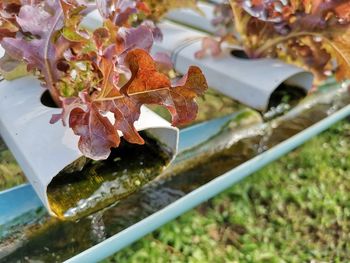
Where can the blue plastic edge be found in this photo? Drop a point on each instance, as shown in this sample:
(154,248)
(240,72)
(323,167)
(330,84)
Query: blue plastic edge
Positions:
(17,201)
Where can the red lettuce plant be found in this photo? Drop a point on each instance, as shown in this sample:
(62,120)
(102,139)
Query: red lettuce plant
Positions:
(225,32)
(314,34)
(93,75)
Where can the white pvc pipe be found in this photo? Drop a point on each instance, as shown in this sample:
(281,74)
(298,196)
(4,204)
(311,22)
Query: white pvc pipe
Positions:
(250,81)
(194,18)
(43,150)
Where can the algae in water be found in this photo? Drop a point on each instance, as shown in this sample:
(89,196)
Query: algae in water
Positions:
(99,184)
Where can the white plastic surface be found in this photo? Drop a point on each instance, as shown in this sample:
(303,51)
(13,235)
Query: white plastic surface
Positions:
(195,19)
(250,81)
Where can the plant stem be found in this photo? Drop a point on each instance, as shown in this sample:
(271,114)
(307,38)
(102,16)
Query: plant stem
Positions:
(259,52)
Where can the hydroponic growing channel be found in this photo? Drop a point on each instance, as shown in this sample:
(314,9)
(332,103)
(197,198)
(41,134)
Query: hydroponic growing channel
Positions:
(214,153)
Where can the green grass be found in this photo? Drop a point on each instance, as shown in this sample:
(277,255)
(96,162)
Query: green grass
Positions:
(294,210)
(10,173)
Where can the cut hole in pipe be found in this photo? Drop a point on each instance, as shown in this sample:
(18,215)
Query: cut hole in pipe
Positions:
(239,53)
(47,100)
(87,186)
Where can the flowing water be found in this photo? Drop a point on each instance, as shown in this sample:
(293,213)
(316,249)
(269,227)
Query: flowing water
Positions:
(47,239)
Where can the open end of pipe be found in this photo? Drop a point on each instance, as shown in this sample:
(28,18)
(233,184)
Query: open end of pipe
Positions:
(283,99)
(87,186)
(287,94)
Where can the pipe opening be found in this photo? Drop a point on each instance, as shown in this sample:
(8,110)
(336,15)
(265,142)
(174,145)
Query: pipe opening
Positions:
(286,94)
(284,98)
(47,100)
(239,53)
(87,186)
